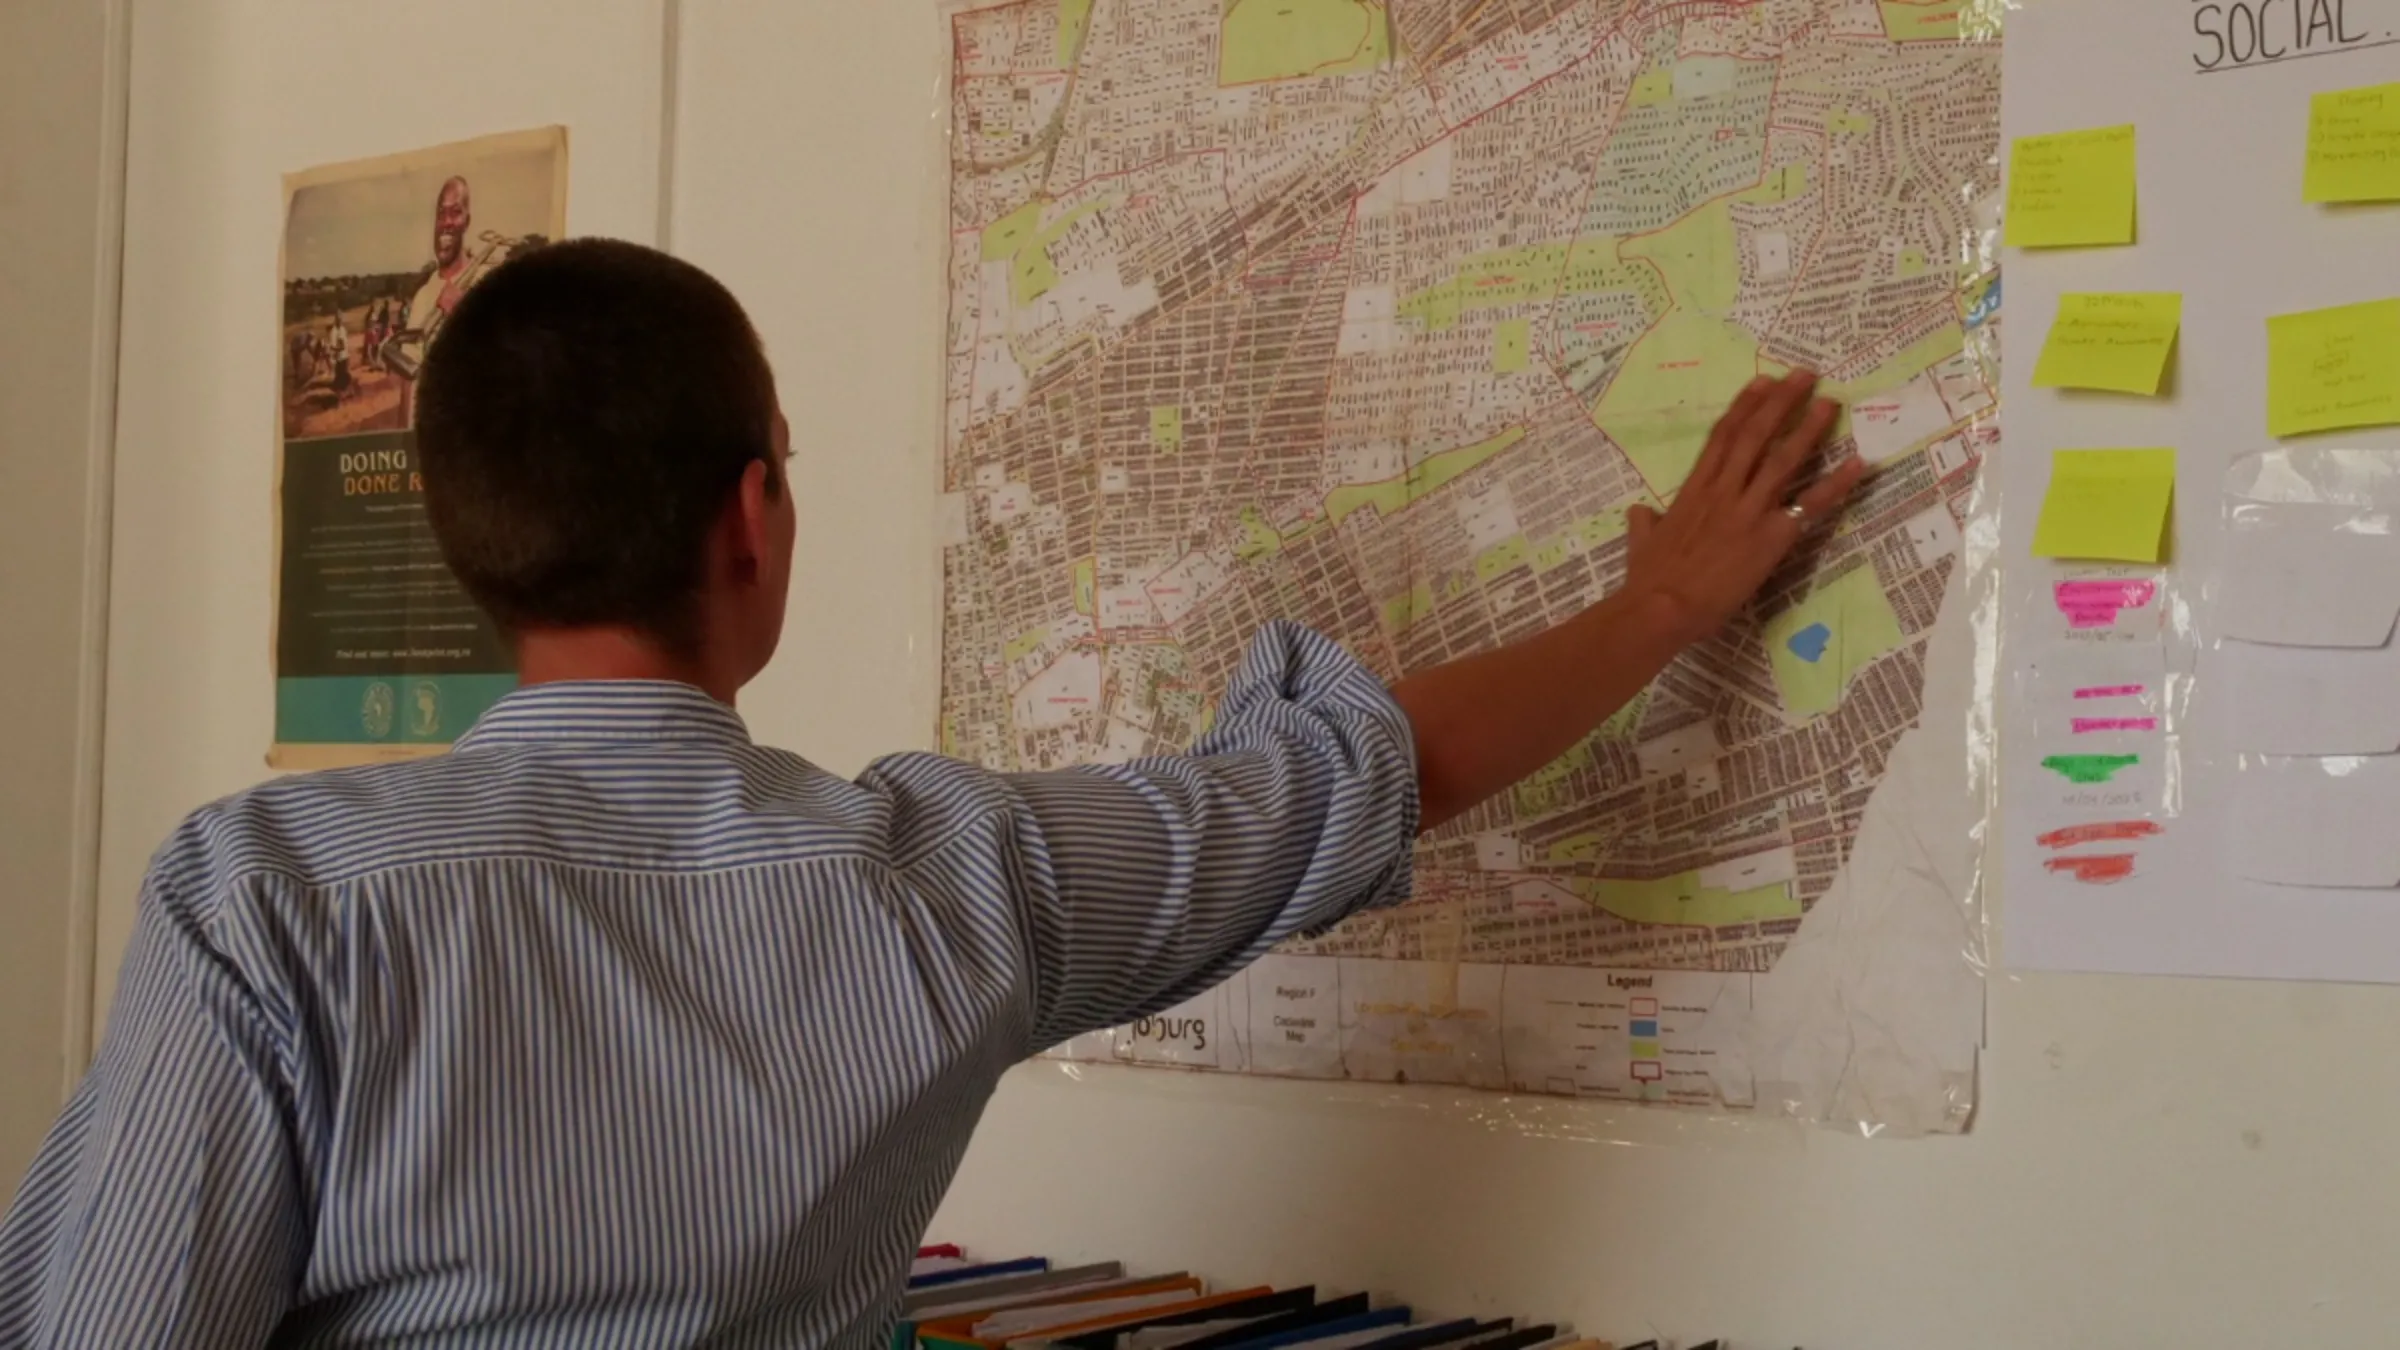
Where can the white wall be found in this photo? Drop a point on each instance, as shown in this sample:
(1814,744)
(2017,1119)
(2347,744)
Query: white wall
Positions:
(59,124)
(228,96)
(807,165)
(2156,1162)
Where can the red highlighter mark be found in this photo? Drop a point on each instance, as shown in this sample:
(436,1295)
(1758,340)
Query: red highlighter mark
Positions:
(2101,869)
(2107,832)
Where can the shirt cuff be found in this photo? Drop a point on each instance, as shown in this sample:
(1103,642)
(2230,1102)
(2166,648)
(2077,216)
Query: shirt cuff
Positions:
(1290,665)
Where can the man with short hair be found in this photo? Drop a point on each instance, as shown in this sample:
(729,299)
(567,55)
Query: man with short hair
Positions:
(612,1028)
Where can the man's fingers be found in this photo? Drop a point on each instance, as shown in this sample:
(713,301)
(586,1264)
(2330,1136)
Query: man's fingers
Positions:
(1638,520)
(1774,478)
(1711,463)
(1826,495)
(1766,419)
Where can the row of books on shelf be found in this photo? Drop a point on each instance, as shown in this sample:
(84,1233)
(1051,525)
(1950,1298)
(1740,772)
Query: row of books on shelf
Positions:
(955,1302)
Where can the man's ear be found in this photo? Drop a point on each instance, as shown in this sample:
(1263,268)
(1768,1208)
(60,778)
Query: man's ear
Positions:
(747,519)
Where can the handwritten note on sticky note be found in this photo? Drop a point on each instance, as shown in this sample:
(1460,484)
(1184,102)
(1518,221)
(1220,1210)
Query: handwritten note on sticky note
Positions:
(2108,504)
(2354,145)
(2332,368)
(2074,189)
(2118,342)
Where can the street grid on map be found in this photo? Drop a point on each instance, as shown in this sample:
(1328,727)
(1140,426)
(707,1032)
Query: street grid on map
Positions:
(1378,317)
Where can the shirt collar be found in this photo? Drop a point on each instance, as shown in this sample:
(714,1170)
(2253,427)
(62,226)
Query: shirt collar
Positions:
(608,710)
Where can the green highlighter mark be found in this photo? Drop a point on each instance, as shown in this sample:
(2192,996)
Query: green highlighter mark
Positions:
(2089,768)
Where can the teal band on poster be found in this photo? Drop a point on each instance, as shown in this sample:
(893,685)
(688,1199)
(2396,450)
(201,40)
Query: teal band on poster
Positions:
(383,709)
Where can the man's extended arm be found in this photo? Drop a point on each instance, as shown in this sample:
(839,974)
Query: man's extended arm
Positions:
(1484,722)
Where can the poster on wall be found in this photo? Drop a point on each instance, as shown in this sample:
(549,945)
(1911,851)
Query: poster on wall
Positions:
(378,653)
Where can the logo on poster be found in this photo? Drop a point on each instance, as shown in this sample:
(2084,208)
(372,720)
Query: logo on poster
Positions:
(426,698)
(375,711)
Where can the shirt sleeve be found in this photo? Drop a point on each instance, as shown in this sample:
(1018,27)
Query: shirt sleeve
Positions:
(164,1208)
(1143,884)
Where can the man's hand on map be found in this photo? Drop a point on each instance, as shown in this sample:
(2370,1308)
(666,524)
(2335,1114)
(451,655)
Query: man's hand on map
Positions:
(1486,721)
(1736,517)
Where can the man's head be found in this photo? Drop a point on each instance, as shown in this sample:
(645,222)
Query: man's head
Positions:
(602,451)
(450,220)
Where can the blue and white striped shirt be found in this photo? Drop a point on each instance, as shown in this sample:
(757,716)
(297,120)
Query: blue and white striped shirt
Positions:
(610,1028)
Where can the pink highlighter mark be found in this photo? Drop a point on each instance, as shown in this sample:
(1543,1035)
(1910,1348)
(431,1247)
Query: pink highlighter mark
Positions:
(2096,604)
(2112,691)
(2085,726)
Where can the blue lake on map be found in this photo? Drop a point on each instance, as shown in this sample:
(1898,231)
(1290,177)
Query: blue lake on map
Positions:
(1809,643)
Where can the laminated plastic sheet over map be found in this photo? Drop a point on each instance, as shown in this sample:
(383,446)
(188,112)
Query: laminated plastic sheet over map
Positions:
(1378,315)
(2200,751)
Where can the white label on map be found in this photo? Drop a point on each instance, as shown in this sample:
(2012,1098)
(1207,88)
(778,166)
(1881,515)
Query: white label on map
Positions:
(1629,1035)
(1295,1008)
(1933,534)
(1369,321)
(1126,606)
(1422,177)
(999,380)
(1009,501)
(1532,895)
(1499,853)
(1889,425)
(1066,689)
(1193,578)
(1685,750)
(1775,867)
(1774,251)
(1489,517)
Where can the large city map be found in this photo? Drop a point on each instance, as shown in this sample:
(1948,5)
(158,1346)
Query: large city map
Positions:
(1378,315)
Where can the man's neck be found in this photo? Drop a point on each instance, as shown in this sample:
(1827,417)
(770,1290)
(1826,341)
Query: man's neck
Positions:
(554,655)
(452,268)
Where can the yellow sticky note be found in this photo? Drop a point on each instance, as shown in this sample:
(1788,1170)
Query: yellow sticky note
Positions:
(2110,341)
(2331,368)
(2354,145)
(2072,189)
(2106,504)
